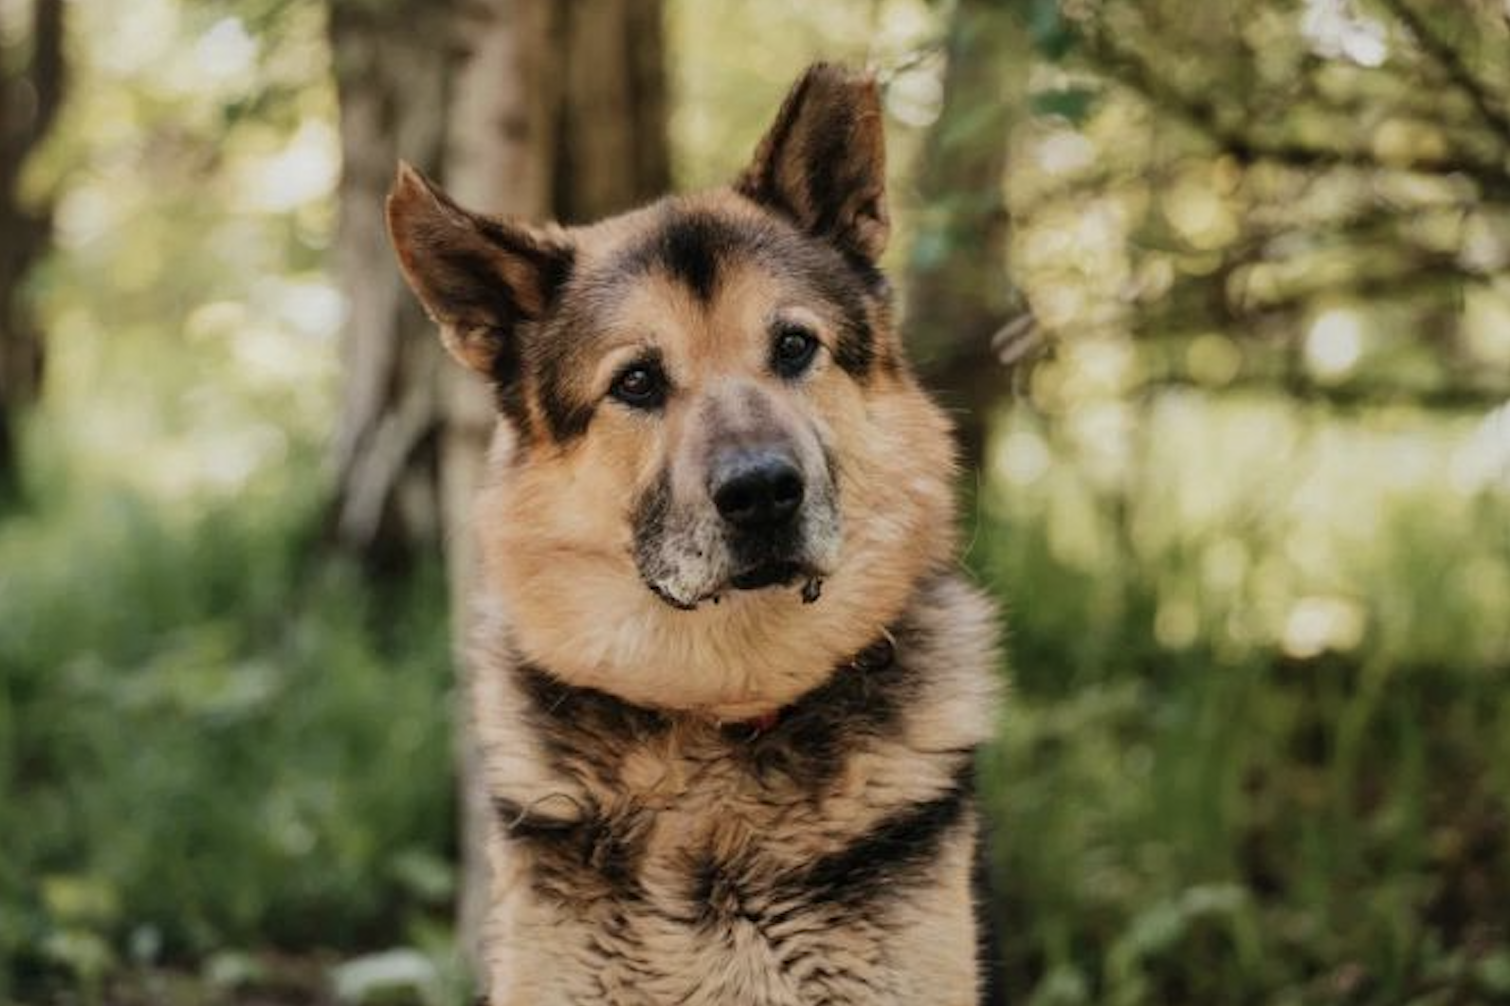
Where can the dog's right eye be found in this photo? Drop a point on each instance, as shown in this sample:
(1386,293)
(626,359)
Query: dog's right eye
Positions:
(641,385)
(793,350)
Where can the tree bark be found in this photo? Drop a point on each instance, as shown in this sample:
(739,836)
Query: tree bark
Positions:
(530,108)
(958,292)
(392,80)
(30,98)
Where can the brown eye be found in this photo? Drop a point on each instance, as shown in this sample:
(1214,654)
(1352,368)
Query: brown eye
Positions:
(641,385)
(793,350)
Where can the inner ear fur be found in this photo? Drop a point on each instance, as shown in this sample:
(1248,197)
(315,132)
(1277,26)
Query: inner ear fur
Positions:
(823,161)
(478,277)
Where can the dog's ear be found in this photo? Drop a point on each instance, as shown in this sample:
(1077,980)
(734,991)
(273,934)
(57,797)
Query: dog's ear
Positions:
(823,161)
(479,278)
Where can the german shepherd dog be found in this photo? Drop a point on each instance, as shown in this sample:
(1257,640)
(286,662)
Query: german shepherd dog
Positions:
(730,685)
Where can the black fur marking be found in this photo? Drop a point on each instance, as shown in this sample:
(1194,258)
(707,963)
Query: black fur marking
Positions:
(898,851)
(856,344)
(477,295)
(553,263)
(896,854)
(472,292)
(826,182)
(870,275)
(577,722)
(556,266)
(597,857)
(865,697)
(649,526)
(567,419)
(593,862)
(718,892)
(508,388)
(690,247)
(993,970)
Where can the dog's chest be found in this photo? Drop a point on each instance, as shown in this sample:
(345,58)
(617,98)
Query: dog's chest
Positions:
(716,867)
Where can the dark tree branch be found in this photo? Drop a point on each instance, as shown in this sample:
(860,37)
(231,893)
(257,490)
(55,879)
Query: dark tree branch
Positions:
(1353,395)
(1124,64)
(30,99)
(1450,59)
(45,71)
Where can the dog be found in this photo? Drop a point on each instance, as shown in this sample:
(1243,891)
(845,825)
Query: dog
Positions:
(729,685)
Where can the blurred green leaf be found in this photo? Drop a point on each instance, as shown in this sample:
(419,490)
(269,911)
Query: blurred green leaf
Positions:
(1073,104)
(1053,36)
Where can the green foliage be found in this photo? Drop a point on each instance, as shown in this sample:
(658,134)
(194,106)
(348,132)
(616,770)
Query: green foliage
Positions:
(1259,744)
(1258,747)
(201,728)
(1051,33)
(1073,104)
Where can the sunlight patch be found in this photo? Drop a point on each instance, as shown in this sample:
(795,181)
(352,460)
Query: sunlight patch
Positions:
(1337,30)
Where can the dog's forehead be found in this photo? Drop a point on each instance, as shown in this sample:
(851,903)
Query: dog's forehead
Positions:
(706,249)
(697,241)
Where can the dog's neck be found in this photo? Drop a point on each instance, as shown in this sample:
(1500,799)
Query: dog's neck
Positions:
(874,658)
(557,753)
(853,681)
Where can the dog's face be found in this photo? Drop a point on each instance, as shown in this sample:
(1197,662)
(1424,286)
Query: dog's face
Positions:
(715,476)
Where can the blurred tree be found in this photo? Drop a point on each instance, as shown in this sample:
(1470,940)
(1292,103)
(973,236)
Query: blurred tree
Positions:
(392,61)
(523,108)
(31,92)
(1340,151)
(959,297)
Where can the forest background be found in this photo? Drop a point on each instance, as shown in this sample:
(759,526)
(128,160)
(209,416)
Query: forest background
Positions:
(1218,293)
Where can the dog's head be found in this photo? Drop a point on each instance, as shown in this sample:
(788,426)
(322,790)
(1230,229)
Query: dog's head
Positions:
(716,476)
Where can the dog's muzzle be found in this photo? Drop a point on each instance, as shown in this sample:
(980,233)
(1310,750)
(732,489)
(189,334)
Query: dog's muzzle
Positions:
(758,493)
(762,523)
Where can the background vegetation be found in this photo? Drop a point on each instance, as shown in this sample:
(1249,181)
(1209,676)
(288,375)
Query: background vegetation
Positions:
(1220,292)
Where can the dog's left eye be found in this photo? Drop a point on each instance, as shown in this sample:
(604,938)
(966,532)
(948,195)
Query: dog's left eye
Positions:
(793,350)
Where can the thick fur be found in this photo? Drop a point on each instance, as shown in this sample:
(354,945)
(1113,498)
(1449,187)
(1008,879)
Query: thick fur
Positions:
(706,794)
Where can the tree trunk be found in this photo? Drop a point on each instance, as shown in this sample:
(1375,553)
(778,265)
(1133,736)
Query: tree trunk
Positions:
(958,291)
(529,108)
(29,101)
(392,75)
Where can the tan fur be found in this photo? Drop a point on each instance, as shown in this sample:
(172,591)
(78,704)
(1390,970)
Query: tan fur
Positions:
(651,845)
(556,527)
(703,799)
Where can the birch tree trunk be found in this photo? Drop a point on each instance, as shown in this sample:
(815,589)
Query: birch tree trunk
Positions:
(30,97)
(532,108)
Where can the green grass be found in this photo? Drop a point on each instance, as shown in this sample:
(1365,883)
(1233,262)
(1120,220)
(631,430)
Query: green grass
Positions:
(1212,809)
(211,737)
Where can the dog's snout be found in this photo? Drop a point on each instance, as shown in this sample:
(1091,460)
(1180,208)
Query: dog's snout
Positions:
(757,489)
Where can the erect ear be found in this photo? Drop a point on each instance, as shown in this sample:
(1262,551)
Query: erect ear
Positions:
(823,161)
(479,277)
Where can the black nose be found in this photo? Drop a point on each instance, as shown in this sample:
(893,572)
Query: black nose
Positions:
(757,489)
